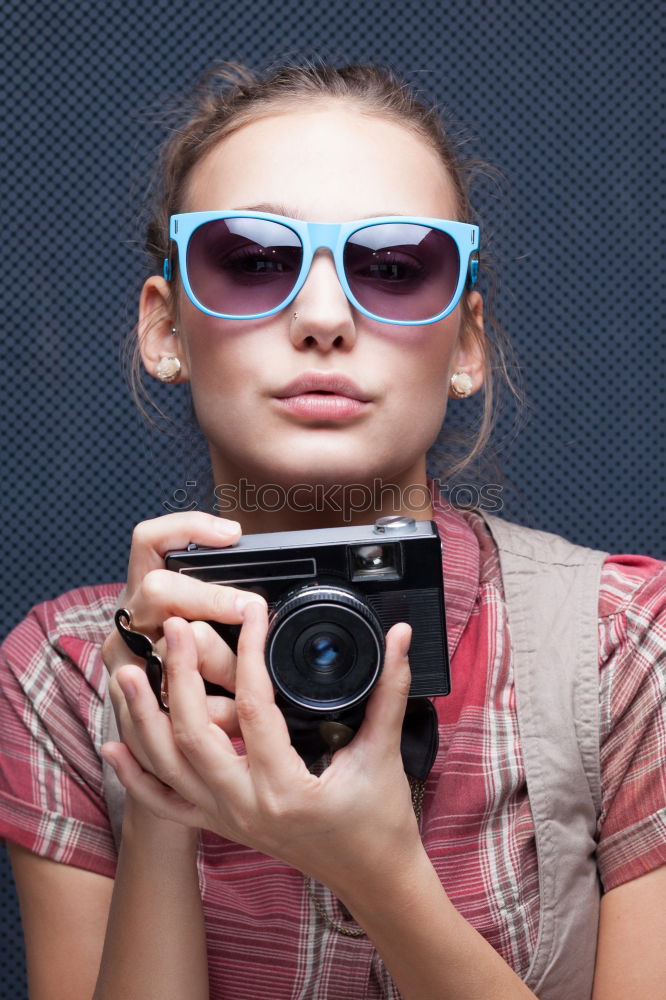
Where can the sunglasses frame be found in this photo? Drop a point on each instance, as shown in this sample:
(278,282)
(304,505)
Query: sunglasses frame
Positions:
(329,236)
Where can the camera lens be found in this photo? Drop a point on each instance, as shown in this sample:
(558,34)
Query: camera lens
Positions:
(324,653)
(325,648)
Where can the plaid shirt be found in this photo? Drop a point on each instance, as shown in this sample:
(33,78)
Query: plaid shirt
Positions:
(265,937)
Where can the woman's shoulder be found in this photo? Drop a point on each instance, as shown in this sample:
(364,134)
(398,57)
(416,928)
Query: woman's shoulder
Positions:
(629,584)
(69,624)
(634,586)
(631,587)
(52,686)
(632,736)
(632,630)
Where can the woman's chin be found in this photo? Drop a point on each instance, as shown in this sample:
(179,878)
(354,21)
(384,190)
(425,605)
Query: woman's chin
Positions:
(323,463)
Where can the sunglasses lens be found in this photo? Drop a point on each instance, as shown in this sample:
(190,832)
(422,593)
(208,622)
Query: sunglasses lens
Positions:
(402,271)
(242,267)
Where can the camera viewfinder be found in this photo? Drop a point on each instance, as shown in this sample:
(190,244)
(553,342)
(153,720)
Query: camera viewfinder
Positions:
(371,562)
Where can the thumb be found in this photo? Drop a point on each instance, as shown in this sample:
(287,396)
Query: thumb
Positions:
(385,710)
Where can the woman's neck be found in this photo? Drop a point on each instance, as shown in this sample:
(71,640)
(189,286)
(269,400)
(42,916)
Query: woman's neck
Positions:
(261,507)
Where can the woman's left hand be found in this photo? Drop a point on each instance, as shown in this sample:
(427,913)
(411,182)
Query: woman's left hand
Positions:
(336,827)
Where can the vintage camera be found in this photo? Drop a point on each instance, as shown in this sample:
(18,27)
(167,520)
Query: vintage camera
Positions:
(332,595)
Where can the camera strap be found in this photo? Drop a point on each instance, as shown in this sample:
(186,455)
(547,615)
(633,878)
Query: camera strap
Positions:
(420,738)
(419,742)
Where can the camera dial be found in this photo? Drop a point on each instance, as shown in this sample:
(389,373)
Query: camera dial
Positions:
(394,524)
(325,648)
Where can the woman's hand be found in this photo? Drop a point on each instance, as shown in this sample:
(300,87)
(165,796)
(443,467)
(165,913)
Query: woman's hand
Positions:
(353,828)
(153,594)
(344,825)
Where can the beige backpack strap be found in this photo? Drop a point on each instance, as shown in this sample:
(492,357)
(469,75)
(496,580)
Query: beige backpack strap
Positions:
(114,793)
(552,593)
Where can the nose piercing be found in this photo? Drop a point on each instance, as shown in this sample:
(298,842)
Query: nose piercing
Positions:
(295,315)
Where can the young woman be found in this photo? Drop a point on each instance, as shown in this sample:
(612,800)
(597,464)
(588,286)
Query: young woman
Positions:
(320,346)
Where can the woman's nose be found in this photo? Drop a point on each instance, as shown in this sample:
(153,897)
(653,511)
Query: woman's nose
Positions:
(321,315)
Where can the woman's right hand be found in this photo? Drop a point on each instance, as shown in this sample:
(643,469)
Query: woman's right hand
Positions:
(153,594)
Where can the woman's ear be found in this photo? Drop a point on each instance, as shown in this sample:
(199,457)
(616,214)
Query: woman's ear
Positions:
(158,336)
(470,354)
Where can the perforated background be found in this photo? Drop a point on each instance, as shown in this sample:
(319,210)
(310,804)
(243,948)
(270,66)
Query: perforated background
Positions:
(564,98)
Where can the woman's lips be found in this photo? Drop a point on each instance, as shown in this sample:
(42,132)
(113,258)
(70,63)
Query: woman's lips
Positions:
(323,396)
(316,406)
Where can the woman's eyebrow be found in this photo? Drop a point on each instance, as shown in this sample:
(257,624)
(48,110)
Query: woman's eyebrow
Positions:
(272,209)
(291,213)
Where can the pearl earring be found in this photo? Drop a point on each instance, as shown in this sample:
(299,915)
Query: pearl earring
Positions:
(168,368)
(461,385)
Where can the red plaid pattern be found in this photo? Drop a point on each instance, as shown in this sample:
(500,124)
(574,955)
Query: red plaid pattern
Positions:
(265,937)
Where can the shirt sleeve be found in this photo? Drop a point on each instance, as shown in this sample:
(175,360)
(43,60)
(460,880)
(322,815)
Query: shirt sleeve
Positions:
(52,683)
(632,825)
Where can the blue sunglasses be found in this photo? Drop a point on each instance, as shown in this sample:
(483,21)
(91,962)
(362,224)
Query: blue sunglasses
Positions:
(396,269)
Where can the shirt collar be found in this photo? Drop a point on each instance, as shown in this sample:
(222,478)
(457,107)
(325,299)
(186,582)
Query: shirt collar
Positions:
(461,567)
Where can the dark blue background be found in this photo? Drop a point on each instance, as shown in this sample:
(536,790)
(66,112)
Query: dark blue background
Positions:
(564,98)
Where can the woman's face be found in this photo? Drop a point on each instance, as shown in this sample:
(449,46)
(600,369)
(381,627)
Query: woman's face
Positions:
(327,164)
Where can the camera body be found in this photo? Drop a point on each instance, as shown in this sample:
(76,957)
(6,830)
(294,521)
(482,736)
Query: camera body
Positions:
(332,595)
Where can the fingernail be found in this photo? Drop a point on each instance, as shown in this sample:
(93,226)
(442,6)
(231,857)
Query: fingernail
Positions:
(243,600)
(110,759)
(406,643)
(229,528)
(171,636)
(128,688)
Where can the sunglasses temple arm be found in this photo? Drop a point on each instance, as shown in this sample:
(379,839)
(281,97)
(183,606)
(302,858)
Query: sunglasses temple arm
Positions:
(473,272)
